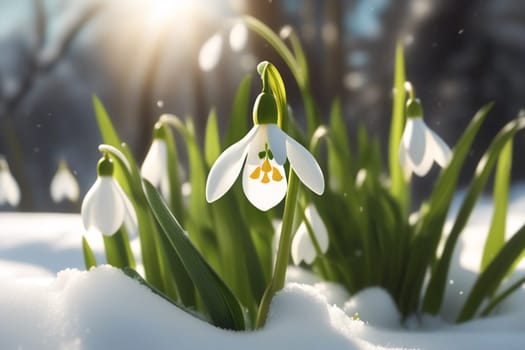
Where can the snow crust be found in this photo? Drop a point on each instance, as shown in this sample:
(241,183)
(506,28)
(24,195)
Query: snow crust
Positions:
(47,301)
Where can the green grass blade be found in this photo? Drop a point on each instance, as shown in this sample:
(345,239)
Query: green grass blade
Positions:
(176,201)
(399,187)
(212,145)
(273,39)
(300,56)
(496,236)
(436,288)
(240,114)
(500,297)
(488,282)
(177,275)
(223,307)
(340,169)
(242,269)
(429,229)
(89,258)
(109,135)
(198,207)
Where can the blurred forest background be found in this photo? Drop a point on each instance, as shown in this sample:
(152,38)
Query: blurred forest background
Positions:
(141,57)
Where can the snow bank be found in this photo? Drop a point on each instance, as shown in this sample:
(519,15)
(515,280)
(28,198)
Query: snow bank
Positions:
(104,309)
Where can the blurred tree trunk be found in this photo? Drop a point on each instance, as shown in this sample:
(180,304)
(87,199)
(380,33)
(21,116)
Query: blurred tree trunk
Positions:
(332,61)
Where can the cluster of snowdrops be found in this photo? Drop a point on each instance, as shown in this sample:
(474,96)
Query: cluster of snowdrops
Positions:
(314,201)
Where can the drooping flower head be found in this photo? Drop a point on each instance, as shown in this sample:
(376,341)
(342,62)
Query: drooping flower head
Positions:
(265,149)
(420,146)
(303,248)
(155,167)
(106,207)
(9,191)
(64,185)
(211,51)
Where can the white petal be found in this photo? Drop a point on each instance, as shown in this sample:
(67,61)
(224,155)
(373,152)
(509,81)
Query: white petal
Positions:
(210,52)
(416,144)
(238,36)
(257,144)
(414,140)
(405,162)
(305,166)
(226,168)
(64,185)
(9,191)
(154,166)
(302,247)
(440,150)
(263,196)
(130,216)
(277,142)
(318,226)
(426,164)
(103,207)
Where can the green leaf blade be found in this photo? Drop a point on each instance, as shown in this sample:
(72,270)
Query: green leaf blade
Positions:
(175,183)
(496,237)
(340,170)
(212,145)
(118,250)
(109,135)
(491,278)
(223,307)
(399,186)
(240,114)
(89,257)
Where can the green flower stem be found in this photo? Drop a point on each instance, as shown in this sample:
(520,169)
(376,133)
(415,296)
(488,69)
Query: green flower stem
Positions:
(410,90)
(118,250)
(273,39)
(296,63)
(283,252)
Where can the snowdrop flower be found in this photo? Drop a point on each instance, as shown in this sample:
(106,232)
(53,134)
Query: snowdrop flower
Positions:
(303,248)
(9,191)
(420,146)
(238,36)
(64,184)
(265,149)
(106,206)
(210,52)
(155,169)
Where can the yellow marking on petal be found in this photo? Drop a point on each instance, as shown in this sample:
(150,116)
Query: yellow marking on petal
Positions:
(276,175)
(266,167)
(256,173)
(265,178)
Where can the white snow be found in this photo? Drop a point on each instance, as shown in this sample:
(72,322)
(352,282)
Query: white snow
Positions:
(47,301)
